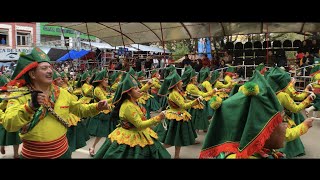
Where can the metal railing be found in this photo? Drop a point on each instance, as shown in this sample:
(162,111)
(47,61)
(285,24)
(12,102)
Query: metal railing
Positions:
(302,79)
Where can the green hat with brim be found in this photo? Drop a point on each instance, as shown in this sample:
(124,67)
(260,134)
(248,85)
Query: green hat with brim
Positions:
(169,70)
(214,76)
(153,72)
(188,68)
(85,76)
(268,71)
(278,79)
(230,71)
(94,71)
(63,75)
(168,83)
(56,75)
(100,76)
(132,71)
(127,83)
(256,111)
(3,80)
(187,76)
(89,72)
(203,74)
(82,79)
(261,67)
(78,77)
(315,70)
(141,74)
(92,78)
(114,76)
(26,62)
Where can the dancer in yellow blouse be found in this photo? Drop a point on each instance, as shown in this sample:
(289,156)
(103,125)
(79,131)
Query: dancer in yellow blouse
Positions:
(199,113)
(180,131)
(133,138)
(101,125)
(77,133)
(41,115)
(279,80)
(7,138)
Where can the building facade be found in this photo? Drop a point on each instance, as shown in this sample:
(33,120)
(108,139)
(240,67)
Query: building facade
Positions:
(16,38)
(55,36)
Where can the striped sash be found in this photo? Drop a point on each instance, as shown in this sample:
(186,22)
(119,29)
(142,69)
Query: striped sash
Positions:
(44,150)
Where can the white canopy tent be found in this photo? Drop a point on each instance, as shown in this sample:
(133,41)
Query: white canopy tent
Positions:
(125,33)
(149,48)
(107,46)
(129,48)
(99,45)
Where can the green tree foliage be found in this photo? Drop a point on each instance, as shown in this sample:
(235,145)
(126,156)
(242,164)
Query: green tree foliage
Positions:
(180,48)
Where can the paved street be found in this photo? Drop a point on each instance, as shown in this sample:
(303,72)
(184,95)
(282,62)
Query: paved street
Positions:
(310,141)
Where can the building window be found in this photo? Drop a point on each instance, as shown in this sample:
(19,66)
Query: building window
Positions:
(23,39)
(4,37)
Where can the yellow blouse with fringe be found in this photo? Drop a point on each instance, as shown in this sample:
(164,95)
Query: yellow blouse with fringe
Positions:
(77,91)
(114,86)
(297,96)
(287,102)
(145,87)
(3,106)
(228,80)
(67,87)
(102,94)
(155,83)
(141,134)
(293,131)
(208,88)
(145,95)
(143,99)
(215,104)
(87,90)
(178,106)
(1,115)
(316,85)
(87,93)
(220,85)
(18,114)
(72,119)
(194,90)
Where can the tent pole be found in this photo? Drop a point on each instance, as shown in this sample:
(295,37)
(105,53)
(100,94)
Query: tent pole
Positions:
(89,41)
(65,44)
(164,51)
(210,40)
(124,46)
(267,39)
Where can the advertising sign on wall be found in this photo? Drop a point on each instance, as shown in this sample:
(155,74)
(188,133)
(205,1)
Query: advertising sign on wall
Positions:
(12,54)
